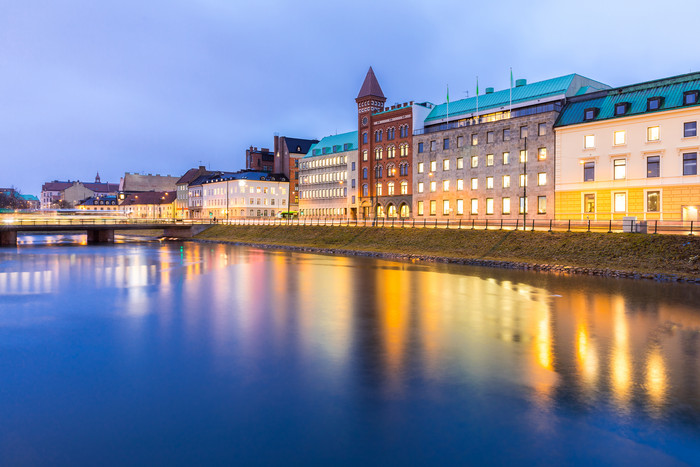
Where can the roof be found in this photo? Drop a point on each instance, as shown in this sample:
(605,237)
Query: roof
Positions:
(562,86)
(96,187)
(247,175)
(93,200)
(192,174)
(29,197)
(671,91)
(334,144)
(55,186)
(150,197)
(137,182)
(298,145)
(371,86)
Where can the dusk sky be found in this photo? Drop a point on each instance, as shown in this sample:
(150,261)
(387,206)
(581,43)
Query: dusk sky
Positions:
(157,86)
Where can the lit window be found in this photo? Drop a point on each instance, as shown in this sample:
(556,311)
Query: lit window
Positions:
(589,141)
(523,180)
(620,202)
(506,158)
(390,188)
(541,205)
(690,129)
(445,207)
(379,189)
(404,187)
(690,163)
(445,185)
(653,201)
(420,208)
(420,187)
(506,205)
(523,155)
(421,167)
(541,178)
(523,205)
(460,206)
(475,139)
(589,202)
(506,181)
(489,182)
(589,171)
(620,169)
(653,133)
(446,164)
(475,161)
(489,205)
(489,160)
(489,136)
(541,154)
(460,162)
(433,166)
(619,137)
(433,207)
(475,183)
(475,206)
(460,184)
(653,166)
(433,187)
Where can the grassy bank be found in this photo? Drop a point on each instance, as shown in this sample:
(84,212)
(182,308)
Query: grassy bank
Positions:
(639,253)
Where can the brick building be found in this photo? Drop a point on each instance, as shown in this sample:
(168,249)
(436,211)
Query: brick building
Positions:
(288,153)
(261,160)
(385,140)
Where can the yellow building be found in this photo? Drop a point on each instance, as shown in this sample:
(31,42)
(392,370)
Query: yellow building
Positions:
(630,151)
(149,205)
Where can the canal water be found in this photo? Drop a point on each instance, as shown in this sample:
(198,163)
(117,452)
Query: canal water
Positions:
(199,354)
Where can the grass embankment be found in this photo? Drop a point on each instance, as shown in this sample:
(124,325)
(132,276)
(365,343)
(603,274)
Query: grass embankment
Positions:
(638,253)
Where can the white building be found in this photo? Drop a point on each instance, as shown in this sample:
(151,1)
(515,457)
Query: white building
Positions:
(244,194)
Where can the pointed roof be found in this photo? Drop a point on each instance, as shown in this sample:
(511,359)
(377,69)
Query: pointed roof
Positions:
(371,86)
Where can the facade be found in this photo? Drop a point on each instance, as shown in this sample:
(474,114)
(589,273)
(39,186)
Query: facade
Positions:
(100,203)
(149,205)
(385,140)
(132,183)
(73,192)
(260,160)
(244,194)
(492,155)
(182,188)
(288,154)
(631,151)
(328,178)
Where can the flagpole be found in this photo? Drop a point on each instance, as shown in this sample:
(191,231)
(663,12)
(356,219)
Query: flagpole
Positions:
(477,99)
(447,121)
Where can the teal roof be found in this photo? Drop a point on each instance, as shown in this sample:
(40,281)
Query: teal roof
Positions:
(669,89)
(500,100)
(334,144)
(29,197)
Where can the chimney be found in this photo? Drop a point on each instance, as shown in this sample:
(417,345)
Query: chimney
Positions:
(520,82)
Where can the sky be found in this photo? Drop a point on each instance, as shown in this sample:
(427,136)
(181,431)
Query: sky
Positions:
(160,86)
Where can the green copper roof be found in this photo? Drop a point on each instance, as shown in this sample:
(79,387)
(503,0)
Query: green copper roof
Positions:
(670,90)
(334,144)
(562,86)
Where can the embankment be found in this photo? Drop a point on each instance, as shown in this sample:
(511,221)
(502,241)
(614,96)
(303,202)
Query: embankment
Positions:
(661,257)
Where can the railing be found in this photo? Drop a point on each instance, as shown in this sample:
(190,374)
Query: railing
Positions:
(97,221)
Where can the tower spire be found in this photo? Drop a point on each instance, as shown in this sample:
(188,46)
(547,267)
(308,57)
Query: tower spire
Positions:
(370,87)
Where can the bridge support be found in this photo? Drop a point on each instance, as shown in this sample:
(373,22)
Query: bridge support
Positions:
(8,238)
(100,236)
(185,231)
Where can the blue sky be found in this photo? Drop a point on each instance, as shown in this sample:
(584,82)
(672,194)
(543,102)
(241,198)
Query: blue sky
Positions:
(157,86)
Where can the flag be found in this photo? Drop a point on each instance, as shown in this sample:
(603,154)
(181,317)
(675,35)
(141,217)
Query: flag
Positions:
(448,94)
(511,77)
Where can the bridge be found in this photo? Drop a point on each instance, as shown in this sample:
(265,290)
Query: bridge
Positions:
(97,230)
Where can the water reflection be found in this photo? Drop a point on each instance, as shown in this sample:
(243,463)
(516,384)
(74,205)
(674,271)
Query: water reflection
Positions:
(357,325)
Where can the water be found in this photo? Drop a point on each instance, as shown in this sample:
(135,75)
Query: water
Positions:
(193,354)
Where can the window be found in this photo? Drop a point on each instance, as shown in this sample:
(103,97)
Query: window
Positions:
(653,163)
(523,132)
(445,164)
(506,158)
(390,188)
(433,187)
(353,167)
(475,161)
(379,189)
(433,207)
(433,166)
(619,138)
(364,138)
(460,184)
(489,183)
(420,147)
(541,179)
(378,153)
(654,103)
(378,171)
(475,183)
(364,155)
(541,129)
(523,205)
(506,181)
(542,154)
(460,141)
(589,203)
(653,133)
(541,205)
(420,187)
(621,108)
(523,180)
(445,207)
(690,163)
(589,141)
(489,160)
(404,150)
(445,185)
(653,201)
(620,202)
(690,97)
(690,129)
(475,139)
(506,134)
(619,169)
(505,209)
(352,183)
(475,206)
(390,133)
(460,162)
(489,136)
(523,155)
(588,171)
(404,187)
(489,206)
(420,208)
(390,152)
(433,145)
(590,113)
(460,206)
(446,143)
(364,172)
(421,167)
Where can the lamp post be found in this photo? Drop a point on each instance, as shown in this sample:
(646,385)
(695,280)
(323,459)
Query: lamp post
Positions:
(525,185)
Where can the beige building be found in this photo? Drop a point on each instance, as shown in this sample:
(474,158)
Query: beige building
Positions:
(328,178)
(631,151)
(149,205)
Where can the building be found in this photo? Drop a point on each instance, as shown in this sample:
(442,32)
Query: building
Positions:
(244,194)
(32,201)
(182,210)
(631,151)
(328,178)
(132,183)
(100,203)
(288,153)
(149,205)
(260,160)
(385,140)
(492,155)
(71,193)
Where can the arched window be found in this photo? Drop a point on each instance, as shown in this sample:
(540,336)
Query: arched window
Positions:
(404,150)
(380,210)
(365,190)
(378,154)
(404,210)
(390,152)
(378,171)
(390,188)
(379,189)
(364,172)
(364,138)
(404,187)
(391,211)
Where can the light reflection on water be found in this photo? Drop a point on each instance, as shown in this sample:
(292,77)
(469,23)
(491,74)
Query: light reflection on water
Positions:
(244,339)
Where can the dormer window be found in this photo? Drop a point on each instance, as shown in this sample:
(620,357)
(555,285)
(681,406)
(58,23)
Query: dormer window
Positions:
(654,103)
(590,113)
(690,97)
(621,108)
